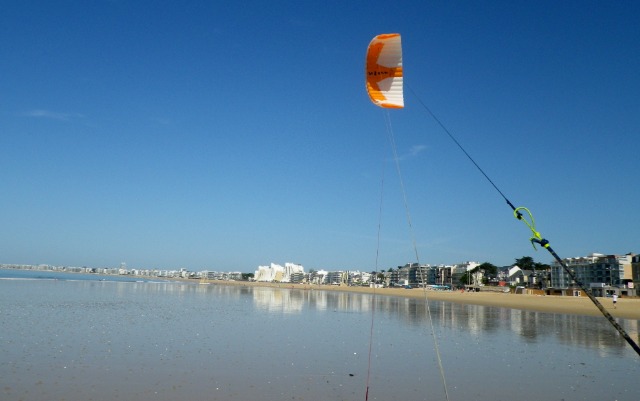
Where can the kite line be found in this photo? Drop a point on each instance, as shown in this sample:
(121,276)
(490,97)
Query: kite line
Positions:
(536,237)
(384,82)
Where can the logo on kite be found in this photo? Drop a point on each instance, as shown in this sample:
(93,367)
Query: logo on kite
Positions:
(383,71)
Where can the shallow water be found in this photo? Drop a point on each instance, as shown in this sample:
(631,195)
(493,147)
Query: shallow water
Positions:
(107,340)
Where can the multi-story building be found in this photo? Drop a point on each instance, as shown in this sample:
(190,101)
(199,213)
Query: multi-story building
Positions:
(605,274)
(414,275)
(335,277)
(458,270)
(444,275)
(278,273)
(317,277)
(297,277)
(210,275)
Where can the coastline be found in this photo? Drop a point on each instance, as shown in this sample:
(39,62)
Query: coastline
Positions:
(627,308)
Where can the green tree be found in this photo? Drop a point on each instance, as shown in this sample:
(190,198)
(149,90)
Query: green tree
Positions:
(542,266)
(539,269)
(247,276)
(465,279)
(525,263)
(488,269)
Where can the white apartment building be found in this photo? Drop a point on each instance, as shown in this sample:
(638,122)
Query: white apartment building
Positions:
(597,271)
(278,273)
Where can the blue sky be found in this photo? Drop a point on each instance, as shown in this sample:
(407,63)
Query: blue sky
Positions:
(214,135)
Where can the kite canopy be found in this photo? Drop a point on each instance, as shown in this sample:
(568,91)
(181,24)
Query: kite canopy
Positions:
(383,71)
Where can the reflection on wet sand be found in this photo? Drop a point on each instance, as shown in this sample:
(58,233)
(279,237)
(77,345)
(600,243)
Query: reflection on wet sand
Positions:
(531,325)
(79,340)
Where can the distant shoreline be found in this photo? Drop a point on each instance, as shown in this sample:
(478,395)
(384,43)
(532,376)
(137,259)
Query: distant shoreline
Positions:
(627,308)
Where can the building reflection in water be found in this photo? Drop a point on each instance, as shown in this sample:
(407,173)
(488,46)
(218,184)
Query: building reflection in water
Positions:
(478,320)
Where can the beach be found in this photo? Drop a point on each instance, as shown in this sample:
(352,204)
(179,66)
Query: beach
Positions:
(626,308)
(79,337)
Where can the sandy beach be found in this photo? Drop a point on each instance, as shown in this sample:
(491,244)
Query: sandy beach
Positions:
(627,308)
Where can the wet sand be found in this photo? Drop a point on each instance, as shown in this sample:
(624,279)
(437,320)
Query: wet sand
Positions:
(627,308)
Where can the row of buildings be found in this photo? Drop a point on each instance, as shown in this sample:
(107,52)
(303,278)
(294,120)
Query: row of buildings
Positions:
(605,275)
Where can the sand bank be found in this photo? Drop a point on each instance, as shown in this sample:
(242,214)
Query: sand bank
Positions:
(627,308)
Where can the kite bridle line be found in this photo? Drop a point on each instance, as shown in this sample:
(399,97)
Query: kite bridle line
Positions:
(373,303)
(537,237)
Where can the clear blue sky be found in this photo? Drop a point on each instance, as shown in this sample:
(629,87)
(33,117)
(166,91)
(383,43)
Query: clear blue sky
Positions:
(222,135)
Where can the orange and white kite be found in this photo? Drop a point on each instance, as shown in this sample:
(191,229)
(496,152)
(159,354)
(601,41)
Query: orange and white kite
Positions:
(383,71)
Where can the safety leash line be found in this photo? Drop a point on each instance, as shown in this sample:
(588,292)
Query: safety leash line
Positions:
(536,238)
